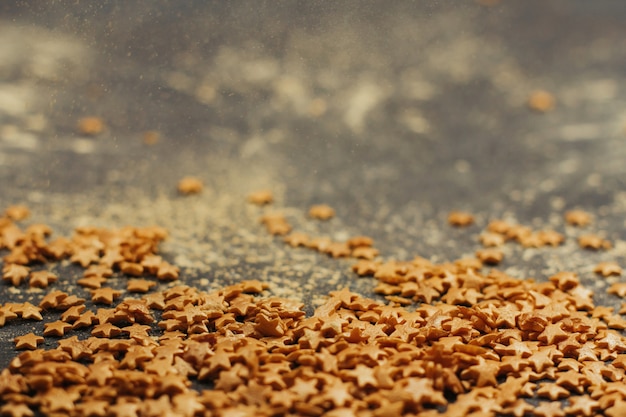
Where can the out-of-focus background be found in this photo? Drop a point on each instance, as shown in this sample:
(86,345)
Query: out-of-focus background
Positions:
(393,113)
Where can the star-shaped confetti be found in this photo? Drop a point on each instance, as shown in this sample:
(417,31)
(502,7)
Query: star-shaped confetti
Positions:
(28,341)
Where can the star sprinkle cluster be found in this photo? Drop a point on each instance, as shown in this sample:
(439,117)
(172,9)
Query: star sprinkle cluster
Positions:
(473,341)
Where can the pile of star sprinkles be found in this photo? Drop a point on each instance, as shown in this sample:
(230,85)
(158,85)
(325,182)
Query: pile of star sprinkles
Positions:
(452,339)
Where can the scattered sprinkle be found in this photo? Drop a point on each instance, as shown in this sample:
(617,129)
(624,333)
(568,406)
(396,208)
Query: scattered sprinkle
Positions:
(460,218)
(90,126)
(607,269)
(578,218)
(541,101)
(190,185)
(594,242)
(261,197)
(321,212)
(151,137)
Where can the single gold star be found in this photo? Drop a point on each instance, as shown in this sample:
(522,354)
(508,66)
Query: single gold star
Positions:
(364,252)
(565,280)
(78,349)
(578,218)
(460,218)
(28,311)
(582,405)
(552,391)
(131,268)
(296,239)
(52,299)
(549,409)
(490,256)
(321,212)
(365,267)
(261,197)
(151,263)
(92,282)
(6,314)
(593,242)
(167,272)
(105,295)
(140,285)
(41,279)
(136,330)
(490,239)
(607,269)
(14,273)
(190,185)
(338,250)
(85,256)
(84,320)
(16,410)
(28,341)
(90,126)
(107,330)
(541,101)
(56,328)
(550,237)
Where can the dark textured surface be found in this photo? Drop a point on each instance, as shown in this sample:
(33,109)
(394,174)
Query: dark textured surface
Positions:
(424,111)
